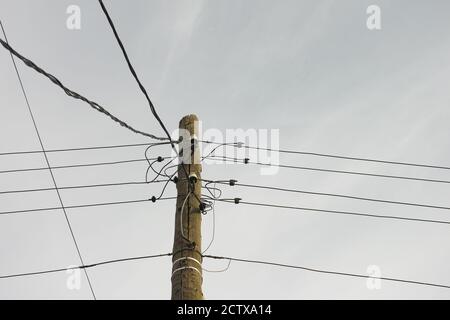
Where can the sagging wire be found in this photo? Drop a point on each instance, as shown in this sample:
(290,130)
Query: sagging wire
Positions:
(171,174)
(218,271)
(213,192)
(158,159)
(181,217)
(206,203)
(206,206)
(213,217)
(231,182)
(213,189)
(165,167)
(170,177)
(211,153)
(159,173)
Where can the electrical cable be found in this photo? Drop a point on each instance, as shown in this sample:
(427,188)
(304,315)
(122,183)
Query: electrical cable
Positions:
(218,271)
(74,94)
(346,274)
(150,164)
(237,160)
(235,144)
(332,211)
(214,224)
(133,72)
(164,187)
(170,174)
(212,190)
(339,156)
(214,257)
(82,206)
(82,186)
(331,195)
(181,217)
(158,174)
(85,266)
(74,166)
(48,165)
(84,148)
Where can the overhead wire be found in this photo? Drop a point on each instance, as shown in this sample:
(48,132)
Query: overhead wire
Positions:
(214,197)
(404,203)
(181,217)
(218,271)
(87,266)
(133,72)
(150,103)
(74,94)
(106,163)
(349,213)
(214,220)
(219,145)
(165,187)
(337,273)
(48,162)
(82,186)
(248,161)
(81,206)
(337,156)
(83,148)
(235,259)
(155,160)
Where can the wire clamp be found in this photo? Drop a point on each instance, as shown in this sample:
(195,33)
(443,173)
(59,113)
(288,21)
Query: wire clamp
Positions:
(193,178)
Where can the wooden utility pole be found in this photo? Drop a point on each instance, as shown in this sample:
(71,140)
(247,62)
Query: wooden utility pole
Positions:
(187,259)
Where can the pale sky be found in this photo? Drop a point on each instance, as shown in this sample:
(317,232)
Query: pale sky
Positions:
(311,69)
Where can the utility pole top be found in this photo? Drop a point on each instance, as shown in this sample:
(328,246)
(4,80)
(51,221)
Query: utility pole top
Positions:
(187,119)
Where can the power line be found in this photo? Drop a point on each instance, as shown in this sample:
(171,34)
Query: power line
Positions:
(16,275)
(75,165)
(337,273)
(83,148)
(276,264)
(278,206)
(330,195)
(82,206)
(48,164)
(133,72)
(83,186)
(336,156)
(141,86)
(74,94)
(226,144)
(237,160)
